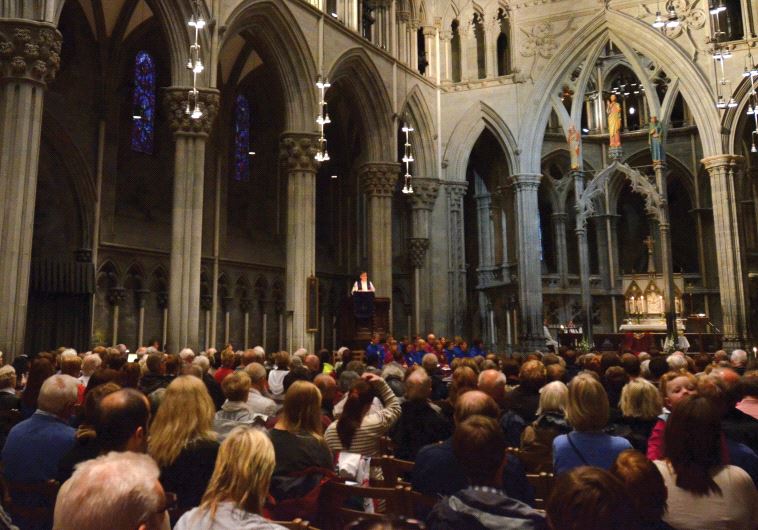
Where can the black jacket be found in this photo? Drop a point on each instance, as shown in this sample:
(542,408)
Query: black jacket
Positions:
(419,425)
(477,508)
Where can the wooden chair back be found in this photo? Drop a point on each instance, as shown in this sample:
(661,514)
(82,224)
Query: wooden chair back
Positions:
(386,445)
(45,491)
(418,505)
(543,485)
(393,470)
(335,515)
(296,524)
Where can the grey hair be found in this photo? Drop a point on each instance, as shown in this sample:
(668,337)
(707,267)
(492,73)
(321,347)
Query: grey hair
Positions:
(187,355)
(393,370)
(676,362)
(347,378)
(202,362)
(738,357)
(57,393)
(116,491)
(256,371)
(90,364)
(553,396)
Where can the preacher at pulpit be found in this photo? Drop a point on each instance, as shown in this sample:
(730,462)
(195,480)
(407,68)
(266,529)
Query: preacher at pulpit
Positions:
(363,285)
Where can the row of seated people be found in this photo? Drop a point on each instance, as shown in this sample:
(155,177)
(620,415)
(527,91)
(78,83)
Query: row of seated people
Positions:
(178,424)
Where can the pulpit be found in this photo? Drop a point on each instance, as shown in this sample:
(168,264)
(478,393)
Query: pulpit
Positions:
(360,316)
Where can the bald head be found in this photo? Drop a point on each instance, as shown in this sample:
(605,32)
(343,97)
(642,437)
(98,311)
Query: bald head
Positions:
(475,402)
(492,383)
(312,363)
(418,386)
(122,421)
(327,385)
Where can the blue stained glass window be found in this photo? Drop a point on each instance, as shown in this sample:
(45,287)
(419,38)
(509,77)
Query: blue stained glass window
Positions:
(143,102)
(242,139)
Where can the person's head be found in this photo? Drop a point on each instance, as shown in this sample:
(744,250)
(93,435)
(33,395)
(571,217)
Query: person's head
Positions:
(464,379)
(589,498)
(282,360)
(430,363)
(614,379)
(122,421)
(702,360)
(347,378)
(301,411)
(607,360)
(356,406)
(588,408)
(693,443)
(676,362)
(156,363)
(39,371)
(90,364)
(203,362)
(738,358)
(7,377)
(418,386)
(553,398)
(185,414)
(71,365)
(675,386)
(644,485)
(228,358)
(658,366)
(257,374)
(475,402)
(631,364)
(118,491)
(719,356)
(364,276)
(748,386)
(640,399)
(313,363)
(479,446)
(327,386)
(532,375)
(249,356)
(555,372)
(492,383)
(58,396)
(187,355)
(236,386)
(242,475)
(91,407)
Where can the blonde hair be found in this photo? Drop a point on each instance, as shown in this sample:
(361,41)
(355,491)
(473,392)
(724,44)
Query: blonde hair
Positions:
(236,386)
(587,408)
(301,411)
(185,414)
(243,471)
(553,397)
(640,399)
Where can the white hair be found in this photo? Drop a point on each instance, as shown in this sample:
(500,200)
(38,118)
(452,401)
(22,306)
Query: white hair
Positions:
(187,355)
(645,368)
(90,364)
(202,362)
(260,351)
(738,357)
(301,353)
(69,352)
(500,378)
(553,397)
(393,370)
(57,393)
(676,362)
(118,491)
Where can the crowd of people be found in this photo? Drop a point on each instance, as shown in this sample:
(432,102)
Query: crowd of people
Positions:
(236,439)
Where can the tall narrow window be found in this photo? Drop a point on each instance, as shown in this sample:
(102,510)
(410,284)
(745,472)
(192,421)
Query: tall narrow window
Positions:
(143,101)
(423,62)
(480,46)
(503,59)
(455,51)
(242,139)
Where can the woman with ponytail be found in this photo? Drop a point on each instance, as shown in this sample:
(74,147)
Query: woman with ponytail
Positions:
(358,430)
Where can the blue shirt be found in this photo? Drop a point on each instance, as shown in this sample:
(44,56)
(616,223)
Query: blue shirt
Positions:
(589,449)
(35,446)
(414,357)
(375,355)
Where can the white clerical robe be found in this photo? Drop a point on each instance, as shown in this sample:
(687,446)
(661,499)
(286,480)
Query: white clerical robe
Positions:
(363,286)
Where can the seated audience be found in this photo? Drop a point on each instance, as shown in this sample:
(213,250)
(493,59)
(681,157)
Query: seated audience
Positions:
(431,362)
(438,472)
(214,389)
(614,379)
(537,439)
(479,446)
(39,371)
(524,400)
(297,435)
(228,364)
(588,498)
(464,379)
(238,488)
(673,387)
(328,388)
(587,445)
(747,391)
(118,491)
(89,365)
(640,406)
(155,377)
(235,411)
(276,376)
(419,424)
(737,425)
(702,492)
(358,430)
(644,486)
(182,440)
(258,402)
(738,359)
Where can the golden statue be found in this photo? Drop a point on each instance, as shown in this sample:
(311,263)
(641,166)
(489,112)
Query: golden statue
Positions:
(613,109)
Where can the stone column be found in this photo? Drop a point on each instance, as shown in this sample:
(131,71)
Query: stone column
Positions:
(297,152)
(116,297)
(431,56)
(378,180)
(456,191)
(422,202)
(413,26)
(29,59)
(723,170)
(529,273)
(402,36)
(584,260)
(446,64)
(141,295)
(484,224)
(561,253)
(469,67)
(187,216)
(491,33)
(667,260)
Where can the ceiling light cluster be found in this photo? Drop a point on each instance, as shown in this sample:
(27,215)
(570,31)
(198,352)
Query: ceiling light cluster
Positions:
(322,155)
(195,63)
(407,159)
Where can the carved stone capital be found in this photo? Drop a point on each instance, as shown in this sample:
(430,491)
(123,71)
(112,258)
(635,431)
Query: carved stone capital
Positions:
(29,50)
(175,101)
(116,295)
(429,31)
(379,179)
(417,247)
(424,193)
(403,16)
(721,162)
(141,296)
(446,35)
(161,298)
(527,181)
(246,304)
(206,302)
(456,190)
(297,151)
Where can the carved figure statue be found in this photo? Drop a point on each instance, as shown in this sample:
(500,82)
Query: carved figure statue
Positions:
(613,109)
(655,140)
(575,146)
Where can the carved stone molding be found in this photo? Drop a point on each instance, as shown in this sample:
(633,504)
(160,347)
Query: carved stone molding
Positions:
(722,161)
(297,151)
(456,190)
(417,248)
(206,302)
(429,31)
(526,181)
(116,295)
(424,193)
(141,296)
(379,179)
(175,101)
(29,50)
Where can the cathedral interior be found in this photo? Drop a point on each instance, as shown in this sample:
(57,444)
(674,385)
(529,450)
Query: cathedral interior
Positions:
(169,181)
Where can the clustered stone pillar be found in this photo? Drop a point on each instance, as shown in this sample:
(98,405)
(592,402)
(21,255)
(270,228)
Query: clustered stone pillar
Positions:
(29,59)
(584,260)
(422,202)
(667,259)
(378,180)
(297,155)
(446,64)
(529,273)
(561,252)
(190,136)
(430,42)
(723,170)
(456,191)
